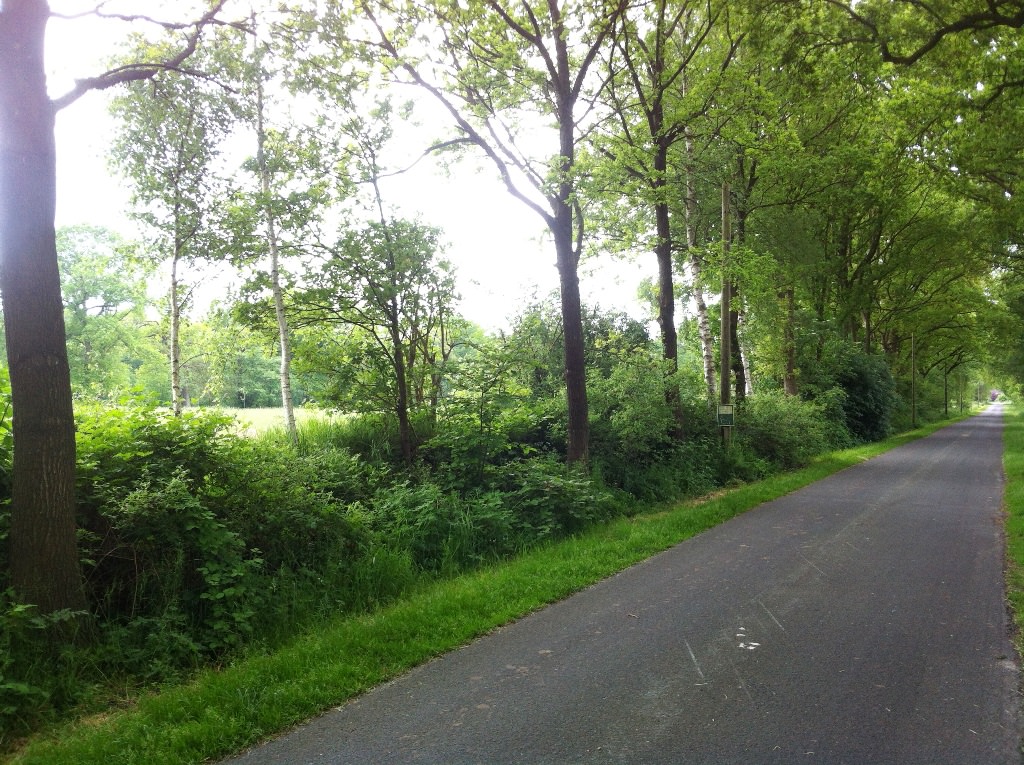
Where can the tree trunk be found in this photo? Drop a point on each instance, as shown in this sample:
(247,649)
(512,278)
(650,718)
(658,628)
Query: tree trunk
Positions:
(575,365)
(666,293)
(703,325)
(707,343)
(736,358)
(748,380)
(284,343)
(402,386)
(42,547)
(567,261)
(175,342)
(725,341)
(789,343)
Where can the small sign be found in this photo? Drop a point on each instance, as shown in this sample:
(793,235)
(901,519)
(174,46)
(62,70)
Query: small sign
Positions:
(725,415)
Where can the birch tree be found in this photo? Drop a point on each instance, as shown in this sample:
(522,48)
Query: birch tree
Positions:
(273,248)
(169,135)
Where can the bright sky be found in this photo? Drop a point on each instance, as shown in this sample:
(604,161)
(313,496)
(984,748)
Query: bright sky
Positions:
(498,246)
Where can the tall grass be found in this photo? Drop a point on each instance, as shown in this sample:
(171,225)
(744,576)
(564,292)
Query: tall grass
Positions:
(256,696)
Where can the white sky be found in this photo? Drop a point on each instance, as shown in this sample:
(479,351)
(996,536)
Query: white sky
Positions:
(498,246)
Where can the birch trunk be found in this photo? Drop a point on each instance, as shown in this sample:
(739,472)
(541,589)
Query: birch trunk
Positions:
(284,343)
(703,325)
(174,352)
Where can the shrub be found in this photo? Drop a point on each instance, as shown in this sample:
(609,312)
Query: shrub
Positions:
(28,682)
(422,520)
(469,446)
(784,431)
(869,398)
(549,499)
(439,529)
(194,531)
(165,552)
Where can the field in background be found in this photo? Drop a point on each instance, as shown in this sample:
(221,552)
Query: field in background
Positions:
(259,420)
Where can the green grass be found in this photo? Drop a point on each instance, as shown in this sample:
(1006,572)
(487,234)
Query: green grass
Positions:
(1013,503)
(222,711)
(260,420)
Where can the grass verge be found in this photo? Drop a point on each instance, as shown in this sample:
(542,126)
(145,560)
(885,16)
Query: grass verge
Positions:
(223,711)
(1013,502)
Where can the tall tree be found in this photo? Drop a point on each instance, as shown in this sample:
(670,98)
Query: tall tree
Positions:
(42,544)
(168,140)
(649,96)
(501,70)
(273,246)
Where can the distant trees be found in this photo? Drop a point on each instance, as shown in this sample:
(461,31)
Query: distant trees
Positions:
(103,282)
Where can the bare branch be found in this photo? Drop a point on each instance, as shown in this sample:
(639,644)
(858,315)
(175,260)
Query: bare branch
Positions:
(427,152)
(463,124)
(143,70)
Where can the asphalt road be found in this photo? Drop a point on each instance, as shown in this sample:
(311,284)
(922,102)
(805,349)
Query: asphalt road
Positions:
(860,620)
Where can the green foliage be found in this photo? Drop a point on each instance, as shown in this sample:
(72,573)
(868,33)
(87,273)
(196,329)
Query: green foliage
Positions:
(229,364)
(375,317)
(183,558)
(28,652)
(867,394)
(472,443)
(189,529)
(785,432)
(870,396)
(104,292)
(551,500)
(630,420)
(6,466)
(631,446)
(439,530)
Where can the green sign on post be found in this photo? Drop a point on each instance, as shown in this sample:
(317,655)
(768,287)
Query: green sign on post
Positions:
(725,415)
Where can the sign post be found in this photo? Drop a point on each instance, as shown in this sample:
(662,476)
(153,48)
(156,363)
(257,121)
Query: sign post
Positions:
(725,415)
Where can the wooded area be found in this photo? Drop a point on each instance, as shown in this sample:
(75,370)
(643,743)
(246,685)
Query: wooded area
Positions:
(828,190)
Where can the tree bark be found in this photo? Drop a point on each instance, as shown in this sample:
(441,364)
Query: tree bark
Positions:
(736,358)
(725,341)
(43,555)
(402,387)
(174,352)
(789,343)
(666,292)
(578,448)
(284,343)
(703,324)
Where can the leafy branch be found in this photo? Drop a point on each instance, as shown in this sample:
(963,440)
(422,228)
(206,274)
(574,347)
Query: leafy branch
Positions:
(135,72)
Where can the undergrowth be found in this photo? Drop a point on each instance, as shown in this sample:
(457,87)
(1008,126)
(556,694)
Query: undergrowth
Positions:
(264,688)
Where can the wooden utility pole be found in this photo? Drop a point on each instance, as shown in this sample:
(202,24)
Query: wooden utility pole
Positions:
(913,383)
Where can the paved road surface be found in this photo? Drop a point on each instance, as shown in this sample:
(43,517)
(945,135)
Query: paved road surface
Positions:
(860,620)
